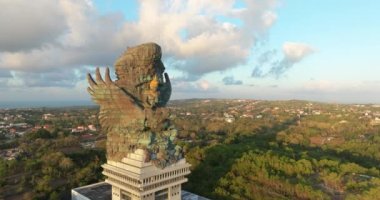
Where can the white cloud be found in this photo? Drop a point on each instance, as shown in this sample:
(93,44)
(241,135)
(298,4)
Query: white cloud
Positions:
(186,89)
(60,35)
(27,25)
(269,65)
(59,78)
(296,51)
(321,85)
(203,84)
(5,73)
(230,80)
(209,45)
(41,94)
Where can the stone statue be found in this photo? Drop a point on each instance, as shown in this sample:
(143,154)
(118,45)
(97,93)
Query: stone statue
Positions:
(132,108)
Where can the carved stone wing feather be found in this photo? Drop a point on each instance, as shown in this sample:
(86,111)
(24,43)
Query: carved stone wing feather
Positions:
(117,106)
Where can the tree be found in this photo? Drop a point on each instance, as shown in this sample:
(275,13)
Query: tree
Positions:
(66,164)
(3,168)
(40,133)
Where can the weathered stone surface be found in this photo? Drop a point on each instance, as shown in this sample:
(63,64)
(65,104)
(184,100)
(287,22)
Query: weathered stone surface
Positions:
(132,107)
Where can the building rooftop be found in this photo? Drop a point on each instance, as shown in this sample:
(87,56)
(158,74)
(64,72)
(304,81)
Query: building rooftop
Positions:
(102,191)
(190,196)
(95,191)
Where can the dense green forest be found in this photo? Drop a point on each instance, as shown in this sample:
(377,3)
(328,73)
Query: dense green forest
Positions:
(292,151)
(49,167)
(51,160)
(238,149)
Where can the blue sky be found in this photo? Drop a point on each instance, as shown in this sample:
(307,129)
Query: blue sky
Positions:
(313,50)
(345,34)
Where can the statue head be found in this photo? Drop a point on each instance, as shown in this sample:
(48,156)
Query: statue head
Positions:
(140,70)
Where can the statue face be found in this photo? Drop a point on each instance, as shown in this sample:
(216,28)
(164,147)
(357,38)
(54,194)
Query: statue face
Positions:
(152,84)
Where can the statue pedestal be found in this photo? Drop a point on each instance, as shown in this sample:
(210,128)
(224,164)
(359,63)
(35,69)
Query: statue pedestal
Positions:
(134,179)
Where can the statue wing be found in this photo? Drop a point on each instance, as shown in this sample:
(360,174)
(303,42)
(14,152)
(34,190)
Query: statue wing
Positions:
(118,108)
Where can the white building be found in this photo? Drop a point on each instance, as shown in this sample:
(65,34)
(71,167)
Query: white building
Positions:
(135,179)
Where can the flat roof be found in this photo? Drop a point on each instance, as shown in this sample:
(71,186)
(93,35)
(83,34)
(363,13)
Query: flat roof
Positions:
(97,191)
(102,191)
(190,196)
